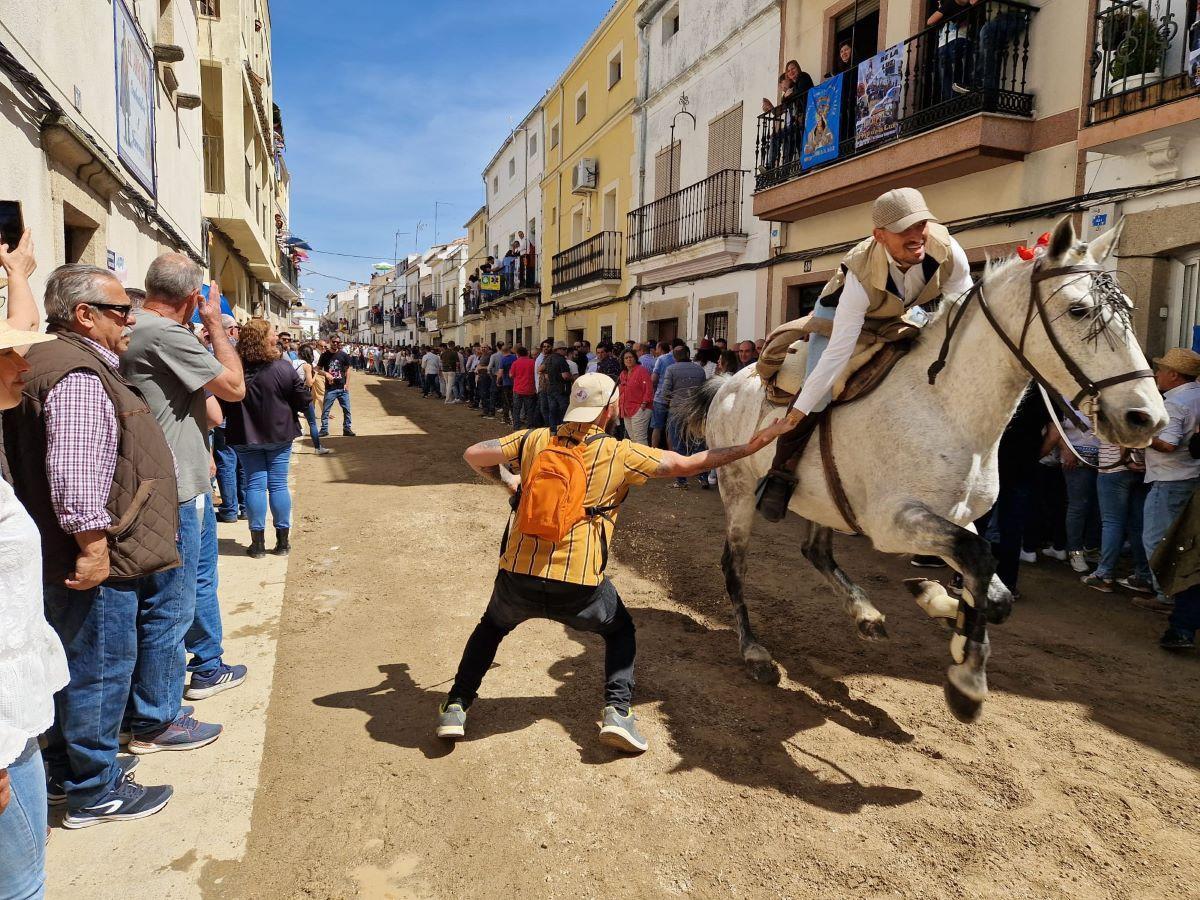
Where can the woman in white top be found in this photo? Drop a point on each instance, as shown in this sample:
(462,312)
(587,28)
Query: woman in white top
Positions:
(32,663)
(304,365)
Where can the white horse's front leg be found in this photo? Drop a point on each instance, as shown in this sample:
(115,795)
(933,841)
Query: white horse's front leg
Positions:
(985,599)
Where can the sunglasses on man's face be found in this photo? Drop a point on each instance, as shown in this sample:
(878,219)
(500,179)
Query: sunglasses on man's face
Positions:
(125,309)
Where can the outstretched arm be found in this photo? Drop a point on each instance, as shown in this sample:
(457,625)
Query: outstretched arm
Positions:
(675,465)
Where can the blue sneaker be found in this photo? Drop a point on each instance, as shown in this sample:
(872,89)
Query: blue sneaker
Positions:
(128,800)
(220,679)
(126,736)
(185,733)
(56,794)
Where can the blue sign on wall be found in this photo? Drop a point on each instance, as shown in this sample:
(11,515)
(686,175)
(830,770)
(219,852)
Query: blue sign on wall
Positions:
(822,123)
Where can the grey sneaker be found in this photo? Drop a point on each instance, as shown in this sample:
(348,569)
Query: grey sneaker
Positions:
(1137,585)
(621,731)
(452,721)
(1097,583)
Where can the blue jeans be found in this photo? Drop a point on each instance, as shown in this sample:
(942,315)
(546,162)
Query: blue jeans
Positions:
(1122,497)
(166,610)
(1165,501)
(995,39)
(310,413)
(523,410)
(487,394)
(98,629)
(1081,505)
(556,408)
(227,474)
(816,347)
(679,443)
(457,392)
(952,66)
(342,396)
(267,476)
(203,640)
(23,829)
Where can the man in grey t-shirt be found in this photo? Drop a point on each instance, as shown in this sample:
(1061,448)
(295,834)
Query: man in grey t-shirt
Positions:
(682,379)
(172,369)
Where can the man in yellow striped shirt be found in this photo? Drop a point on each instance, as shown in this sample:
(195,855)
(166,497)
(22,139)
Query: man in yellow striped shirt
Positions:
(564,581)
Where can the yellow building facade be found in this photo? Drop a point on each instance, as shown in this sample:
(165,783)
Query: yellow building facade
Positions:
(589,184)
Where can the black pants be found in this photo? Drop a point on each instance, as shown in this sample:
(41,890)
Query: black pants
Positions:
(516,598)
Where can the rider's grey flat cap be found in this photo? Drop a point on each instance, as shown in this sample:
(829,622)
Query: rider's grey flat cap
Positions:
(900,209)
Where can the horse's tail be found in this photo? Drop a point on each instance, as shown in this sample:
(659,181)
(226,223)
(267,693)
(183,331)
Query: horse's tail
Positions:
(695,413)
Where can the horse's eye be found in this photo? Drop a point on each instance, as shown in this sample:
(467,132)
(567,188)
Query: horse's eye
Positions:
(1079,310)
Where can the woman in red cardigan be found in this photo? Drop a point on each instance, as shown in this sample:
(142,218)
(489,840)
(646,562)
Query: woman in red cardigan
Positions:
(637,398)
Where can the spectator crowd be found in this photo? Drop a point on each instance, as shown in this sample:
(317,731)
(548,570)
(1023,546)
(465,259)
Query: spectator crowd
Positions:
(136,408)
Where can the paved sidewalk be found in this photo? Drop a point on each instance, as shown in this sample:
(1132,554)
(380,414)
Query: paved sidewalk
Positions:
(214,786)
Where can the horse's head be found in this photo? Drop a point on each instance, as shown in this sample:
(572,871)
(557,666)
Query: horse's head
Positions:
(1076,330)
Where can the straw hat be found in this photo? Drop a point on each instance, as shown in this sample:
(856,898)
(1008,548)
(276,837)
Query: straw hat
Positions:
(1177,359)
(14,337)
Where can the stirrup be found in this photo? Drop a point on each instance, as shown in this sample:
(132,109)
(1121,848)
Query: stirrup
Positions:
(774,493)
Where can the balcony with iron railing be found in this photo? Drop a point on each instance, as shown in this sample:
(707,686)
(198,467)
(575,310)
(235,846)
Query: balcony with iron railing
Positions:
(428,304)
(965,78)
(519,279)
(708,211)
(597,259)
(287,269)
(1145,54)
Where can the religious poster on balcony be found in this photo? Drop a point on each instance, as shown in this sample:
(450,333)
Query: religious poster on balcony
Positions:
(877,97)
(135,98)
(822,121)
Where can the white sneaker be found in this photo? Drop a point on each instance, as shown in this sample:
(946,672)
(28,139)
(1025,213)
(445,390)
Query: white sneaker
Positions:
(324,451)
(1078,562)
(1028,557)
(1051,553)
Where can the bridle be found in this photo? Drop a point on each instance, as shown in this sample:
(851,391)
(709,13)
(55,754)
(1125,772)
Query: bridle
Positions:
(1089,390)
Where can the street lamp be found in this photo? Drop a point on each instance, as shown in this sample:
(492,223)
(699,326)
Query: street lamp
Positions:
(683,105)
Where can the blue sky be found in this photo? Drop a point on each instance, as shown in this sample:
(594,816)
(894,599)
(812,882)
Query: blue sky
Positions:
(391,105)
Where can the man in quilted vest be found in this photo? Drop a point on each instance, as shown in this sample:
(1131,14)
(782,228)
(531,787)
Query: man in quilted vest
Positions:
(893,279)
(93,468)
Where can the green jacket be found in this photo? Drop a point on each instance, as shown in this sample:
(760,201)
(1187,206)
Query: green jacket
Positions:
(1176,562)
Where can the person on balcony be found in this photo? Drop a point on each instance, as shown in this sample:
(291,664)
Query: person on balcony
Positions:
(954,47)
(886,280)
(844,61)
(995,63)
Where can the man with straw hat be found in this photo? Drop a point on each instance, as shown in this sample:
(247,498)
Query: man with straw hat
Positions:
(1170,470)
(563,580)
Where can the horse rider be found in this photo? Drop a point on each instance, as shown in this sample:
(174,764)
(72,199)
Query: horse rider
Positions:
(894,278)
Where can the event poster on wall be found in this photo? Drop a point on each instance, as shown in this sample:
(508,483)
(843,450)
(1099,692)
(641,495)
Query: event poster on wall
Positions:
(822,119)
(135,98)
(877,97)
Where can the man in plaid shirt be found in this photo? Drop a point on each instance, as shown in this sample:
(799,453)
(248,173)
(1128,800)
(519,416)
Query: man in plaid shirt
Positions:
(94,614)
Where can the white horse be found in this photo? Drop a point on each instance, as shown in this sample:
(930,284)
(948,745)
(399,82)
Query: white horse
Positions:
(918,461)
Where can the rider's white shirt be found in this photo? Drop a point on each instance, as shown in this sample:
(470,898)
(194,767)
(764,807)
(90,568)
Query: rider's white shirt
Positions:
(852,312)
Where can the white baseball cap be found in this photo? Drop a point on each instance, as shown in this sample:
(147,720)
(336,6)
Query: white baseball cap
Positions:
(591,394)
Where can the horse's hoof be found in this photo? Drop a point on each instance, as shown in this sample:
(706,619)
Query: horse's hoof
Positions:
(872,630)
(999,609)
(961,706)
(764,671)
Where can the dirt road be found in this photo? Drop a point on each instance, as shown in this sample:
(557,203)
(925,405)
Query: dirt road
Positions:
(848,779)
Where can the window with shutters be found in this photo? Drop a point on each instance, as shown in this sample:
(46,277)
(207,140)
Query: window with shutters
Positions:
(725,141)
(666,171)
(664,218)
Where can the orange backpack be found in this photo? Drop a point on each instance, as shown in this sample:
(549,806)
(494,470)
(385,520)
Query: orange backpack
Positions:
(551,494)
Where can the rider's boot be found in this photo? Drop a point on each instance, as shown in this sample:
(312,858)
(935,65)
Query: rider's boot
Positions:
(775,489)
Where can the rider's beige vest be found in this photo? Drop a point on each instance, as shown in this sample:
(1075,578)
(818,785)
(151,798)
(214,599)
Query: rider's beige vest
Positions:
(869,262)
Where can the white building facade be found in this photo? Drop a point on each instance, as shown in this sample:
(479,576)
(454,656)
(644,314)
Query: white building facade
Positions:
(101,141)
(694,217)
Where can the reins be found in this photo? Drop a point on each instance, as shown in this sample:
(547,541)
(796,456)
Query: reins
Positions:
(1088,389)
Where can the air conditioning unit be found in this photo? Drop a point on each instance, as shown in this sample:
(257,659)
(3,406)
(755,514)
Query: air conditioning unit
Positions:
(583,176)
